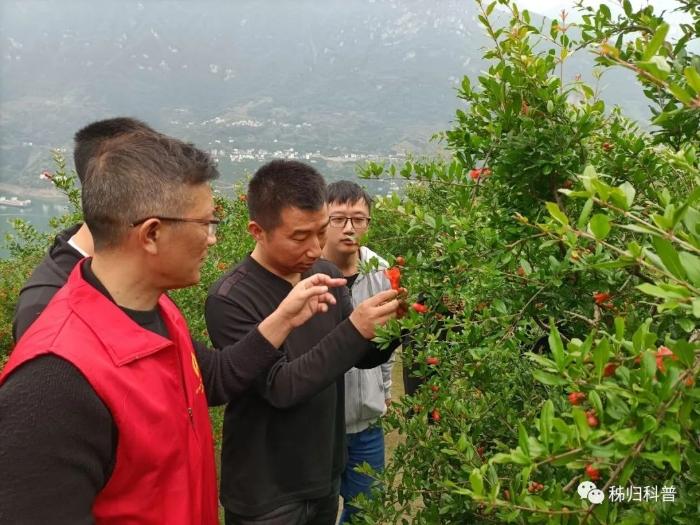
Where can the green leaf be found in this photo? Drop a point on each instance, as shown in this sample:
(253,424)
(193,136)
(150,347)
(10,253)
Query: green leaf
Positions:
(581,422)
(585,213)
(664,291)
(522,440)
(548,379)
(546,418)
(680,93)
(691,265)
(557,348)
(693,77)
(601,355)
(656,41)
(619,328)
(477,482)
(599,226)
(628,436)
(696,308)
(556,213)
(669,256)
(658,67)
(629,192)
(595,400)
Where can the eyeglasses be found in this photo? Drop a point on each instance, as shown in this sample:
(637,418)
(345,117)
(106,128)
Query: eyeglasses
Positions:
(211,223)
(338,221)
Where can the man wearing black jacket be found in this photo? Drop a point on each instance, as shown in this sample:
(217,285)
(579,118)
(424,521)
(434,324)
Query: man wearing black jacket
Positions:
(284,440)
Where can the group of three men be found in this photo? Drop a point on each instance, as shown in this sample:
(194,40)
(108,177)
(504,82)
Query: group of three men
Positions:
(103,402)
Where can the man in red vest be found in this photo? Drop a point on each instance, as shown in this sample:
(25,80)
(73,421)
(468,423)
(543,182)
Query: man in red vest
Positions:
(103,403)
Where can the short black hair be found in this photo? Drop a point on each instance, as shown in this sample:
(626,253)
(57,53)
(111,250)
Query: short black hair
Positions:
(88,139)
(281,184)
(347,192)
(139,175)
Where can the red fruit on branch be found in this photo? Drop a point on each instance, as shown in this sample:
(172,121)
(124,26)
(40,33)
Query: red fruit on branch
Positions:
(420,308)
(576,398)
(521,271)
(435,415)
(609,369)
(535,487)
(394,276)
(221,266)
(506,494)
(480,451)
(567,184)
(607,146)
(592,472)
(434,388)
(432,361)
(592,419)
(400,260)
(600,297)
(243,197)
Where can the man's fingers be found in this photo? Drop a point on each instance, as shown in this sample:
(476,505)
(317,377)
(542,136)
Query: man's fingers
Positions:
(382,297)
(323,279)
(386,309)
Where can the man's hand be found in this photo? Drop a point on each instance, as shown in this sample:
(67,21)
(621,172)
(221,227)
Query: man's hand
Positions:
(376,310)
(307,298)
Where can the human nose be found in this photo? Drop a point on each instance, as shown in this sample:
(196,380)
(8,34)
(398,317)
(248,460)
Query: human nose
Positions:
(316,248)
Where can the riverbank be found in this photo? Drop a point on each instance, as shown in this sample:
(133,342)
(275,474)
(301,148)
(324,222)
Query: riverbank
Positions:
(22,192)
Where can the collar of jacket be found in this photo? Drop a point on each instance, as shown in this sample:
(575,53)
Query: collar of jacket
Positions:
(124,340)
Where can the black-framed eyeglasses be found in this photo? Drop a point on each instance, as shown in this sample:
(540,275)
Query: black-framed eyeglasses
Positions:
(211,223)
(339,221)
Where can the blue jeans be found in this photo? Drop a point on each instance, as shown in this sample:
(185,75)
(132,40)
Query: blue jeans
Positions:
(363,447)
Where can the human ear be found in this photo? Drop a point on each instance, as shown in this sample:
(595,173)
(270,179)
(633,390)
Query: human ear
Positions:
(256,231)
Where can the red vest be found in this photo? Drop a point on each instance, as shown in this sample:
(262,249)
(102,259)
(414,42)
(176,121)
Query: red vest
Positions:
(164,471)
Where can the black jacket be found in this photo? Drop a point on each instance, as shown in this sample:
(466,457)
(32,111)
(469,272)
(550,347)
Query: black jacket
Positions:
(284,440)
(45,281)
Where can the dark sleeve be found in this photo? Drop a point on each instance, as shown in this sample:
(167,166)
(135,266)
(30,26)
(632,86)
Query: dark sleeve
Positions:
(289,382)
(29,306)
(229,372)
(374,356)
(57,444)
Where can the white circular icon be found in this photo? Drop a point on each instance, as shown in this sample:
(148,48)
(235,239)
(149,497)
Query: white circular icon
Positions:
(588,490)
(596,496)
(584,488)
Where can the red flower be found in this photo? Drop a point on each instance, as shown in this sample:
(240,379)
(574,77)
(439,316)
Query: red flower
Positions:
(609,369)
(576,398)
(435,415)
(662,353)
(394,276)
(420,308)
(592,472)
(600,297)
(432,361)
(477,173)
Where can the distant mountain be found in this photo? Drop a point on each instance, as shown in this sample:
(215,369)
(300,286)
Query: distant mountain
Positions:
(330,82)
